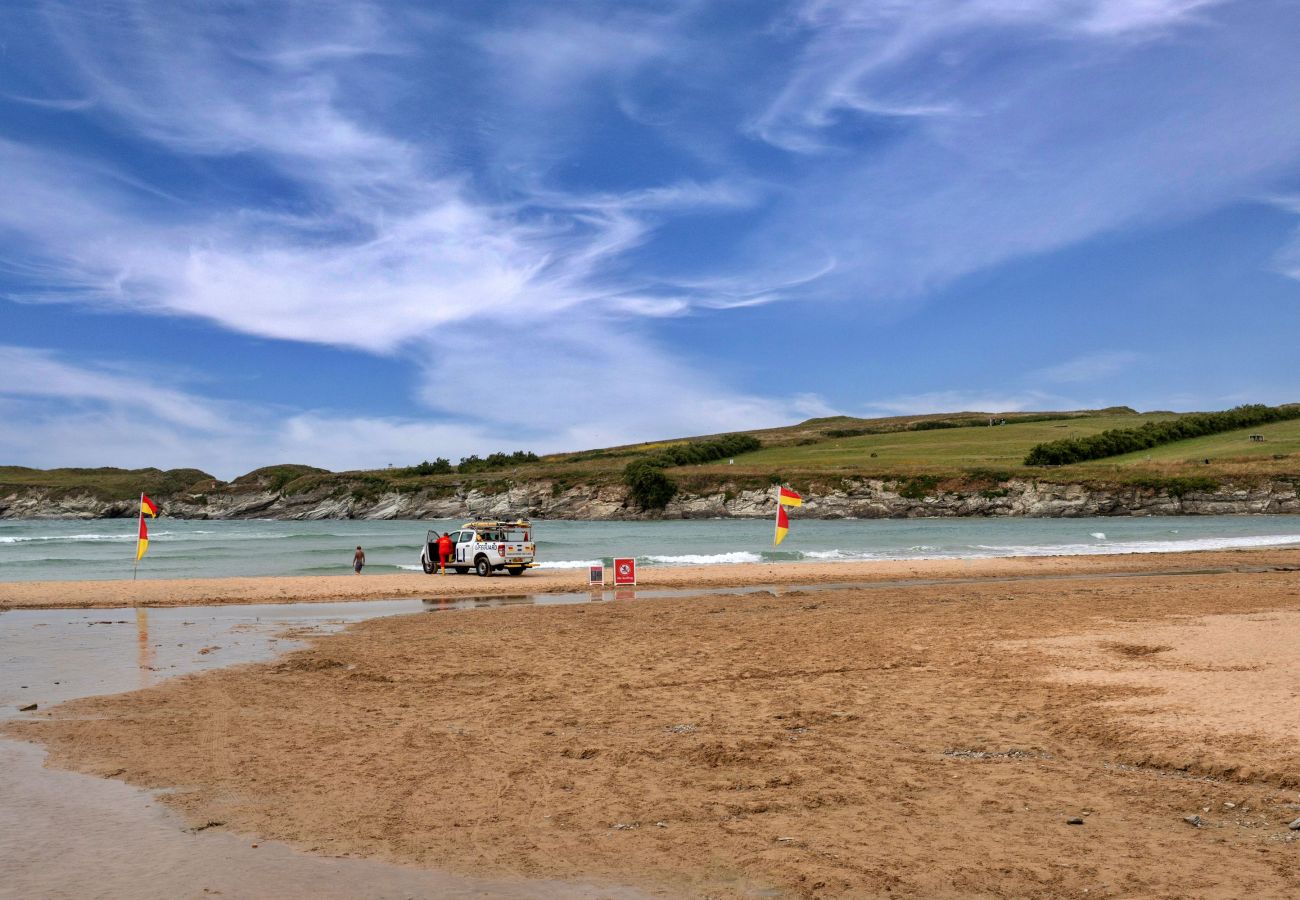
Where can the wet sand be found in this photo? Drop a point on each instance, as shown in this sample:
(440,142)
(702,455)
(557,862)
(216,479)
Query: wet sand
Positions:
(327,588)
(910,740)
(65,834)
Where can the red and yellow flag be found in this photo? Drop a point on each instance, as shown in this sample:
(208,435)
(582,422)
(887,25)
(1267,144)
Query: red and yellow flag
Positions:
(148,507)
(787,497)
(142,543)
(782,525)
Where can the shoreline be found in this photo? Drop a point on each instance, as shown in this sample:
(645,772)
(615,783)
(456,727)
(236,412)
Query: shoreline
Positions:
(970,735)
(329,588)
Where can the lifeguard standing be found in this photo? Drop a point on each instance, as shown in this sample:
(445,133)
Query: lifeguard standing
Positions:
(444,551)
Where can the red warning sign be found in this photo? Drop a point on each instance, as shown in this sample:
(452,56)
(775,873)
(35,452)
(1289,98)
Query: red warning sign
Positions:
(625,571)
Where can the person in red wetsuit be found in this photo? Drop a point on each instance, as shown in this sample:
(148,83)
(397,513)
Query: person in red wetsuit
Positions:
(444,551)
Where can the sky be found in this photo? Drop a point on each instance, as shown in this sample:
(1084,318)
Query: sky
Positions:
(358,234)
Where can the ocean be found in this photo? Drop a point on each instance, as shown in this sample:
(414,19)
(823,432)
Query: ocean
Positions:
(104,548)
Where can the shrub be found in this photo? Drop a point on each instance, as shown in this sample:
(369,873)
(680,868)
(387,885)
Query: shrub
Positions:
(1179,486)
(696,452)
(439,466)
(918,487)
(473,463)
(1118,441)
(649,486)
(279,480)
(652,489)
(936,424)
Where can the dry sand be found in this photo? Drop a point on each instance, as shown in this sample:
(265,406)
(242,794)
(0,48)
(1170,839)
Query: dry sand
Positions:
(923,740)
(320,588)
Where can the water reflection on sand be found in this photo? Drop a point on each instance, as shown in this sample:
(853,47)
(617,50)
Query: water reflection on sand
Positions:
(64,834)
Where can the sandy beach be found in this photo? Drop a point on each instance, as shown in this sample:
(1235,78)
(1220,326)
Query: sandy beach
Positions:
(925,739)
(327,588)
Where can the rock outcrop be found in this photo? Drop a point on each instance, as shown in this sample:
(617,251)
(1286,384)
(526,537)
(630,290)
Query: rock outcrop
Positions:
(849,499)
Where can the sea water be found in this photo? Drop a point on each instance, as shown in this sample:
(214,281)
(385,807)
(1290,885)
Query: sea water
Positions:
(105,548)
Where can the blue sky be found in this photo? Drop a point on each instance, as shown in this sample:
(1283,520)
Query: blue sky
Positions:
(351,234)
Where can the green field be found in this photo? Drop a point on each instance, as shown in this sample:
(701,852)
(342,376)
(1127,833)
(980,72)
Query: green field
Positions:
(942,451)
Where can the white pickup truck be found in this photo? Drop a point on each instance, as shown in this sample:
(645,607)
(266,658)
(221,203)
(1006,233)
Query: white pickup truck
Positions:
(485,547)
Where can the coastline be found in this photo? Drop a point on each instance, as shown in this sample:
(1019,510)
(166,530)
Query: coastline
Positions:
(1070,728)
(325,588)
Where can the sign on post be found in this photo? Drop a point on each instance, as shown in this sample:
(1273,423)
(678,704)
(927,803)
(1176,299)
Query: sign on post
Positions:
(624,571)
(596,575)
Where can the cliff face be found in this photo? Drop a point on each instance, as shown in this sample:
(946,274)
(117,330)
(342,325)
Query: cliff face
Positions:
(865,499)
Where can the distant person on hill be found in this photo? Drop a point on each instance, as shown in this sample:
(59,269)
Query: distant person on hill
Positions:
(444,551)
(358,560)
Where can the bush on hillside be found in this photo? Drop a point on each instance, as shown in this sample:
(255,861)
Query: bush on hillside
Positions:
(649,486)
(1118,441)
(472,463)
(440,466)
(652,489)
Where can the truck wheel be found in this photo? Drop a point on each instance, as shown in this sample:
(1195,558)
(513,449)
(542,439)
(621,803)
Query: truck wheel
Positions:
(515,570)
(483,567)
(427,565)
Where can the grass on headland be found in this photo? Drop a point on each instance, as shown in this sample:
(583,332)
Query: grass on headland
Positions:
(105,483)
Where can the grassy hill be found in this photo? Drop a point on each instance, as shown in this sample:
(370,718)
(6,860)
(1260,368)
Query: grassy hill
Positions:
(106,483)
(953,451)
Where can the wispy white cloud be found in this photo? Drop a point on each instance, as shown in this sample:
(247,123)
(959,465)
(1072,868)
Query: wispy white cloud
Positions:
(963,401)
(612,385)
(388,241)
(36,373)
(1142,17)
(561,389)
(1089,367)
(1287,259)
(60,104)
(1049,146)
(861,55)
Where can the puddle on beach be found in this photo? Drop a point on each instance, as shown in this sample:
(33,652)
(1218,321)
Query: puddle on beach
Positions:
(64,834)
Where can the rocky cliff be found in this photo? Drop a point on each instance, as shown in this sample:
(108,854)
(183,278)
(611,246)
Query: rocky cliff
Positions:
(848,499)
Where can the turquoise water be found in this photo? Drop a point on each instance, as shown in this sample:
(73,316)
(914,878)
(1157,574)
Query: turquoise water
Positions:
(104,548)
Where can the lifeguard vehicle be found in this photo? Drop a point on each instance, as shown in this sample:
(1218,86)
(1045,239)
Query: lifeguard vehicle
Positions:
(485,547)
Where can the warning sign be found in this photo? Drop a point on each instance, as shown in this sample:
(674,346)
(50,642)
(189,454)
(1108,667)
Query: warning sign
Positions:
(624,571)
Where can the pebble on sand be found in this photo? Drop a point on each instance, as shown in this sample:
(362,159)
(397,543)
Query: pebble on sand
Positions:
(28,708)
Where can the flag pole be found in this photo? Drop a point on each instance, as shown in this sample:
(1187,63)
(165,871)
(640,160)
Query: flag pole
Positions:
(135,566)
(776,526)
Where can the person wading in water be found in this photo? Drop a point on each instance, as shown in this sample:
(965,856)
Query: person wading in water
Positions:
(358,560)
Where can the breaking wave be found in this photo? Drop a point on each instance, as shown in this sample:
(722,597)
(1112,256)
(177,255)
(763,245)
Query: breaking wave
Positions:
(568,564)
(706,559)
(1183,546)
(79,538)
